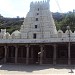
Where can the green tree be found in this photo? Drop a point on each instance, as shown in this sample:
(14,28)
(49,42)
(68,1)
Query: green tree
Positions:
(69,20)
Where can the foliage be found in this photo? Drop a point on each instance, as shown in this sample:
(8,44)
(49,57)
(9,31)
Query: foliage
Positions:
(68,19)
(62,20)
(11,24)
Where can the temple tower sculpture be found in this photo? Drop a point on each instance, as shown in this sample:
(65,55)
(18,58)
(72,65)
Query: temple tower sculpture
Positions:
(39,23)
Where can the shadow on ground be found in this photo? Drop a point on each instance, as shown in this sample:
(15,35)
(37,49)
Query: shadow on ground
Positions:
(31,68)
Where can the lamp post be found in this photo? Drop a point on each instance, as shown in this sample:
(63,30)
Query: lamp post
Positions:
(69,62)
(69,48)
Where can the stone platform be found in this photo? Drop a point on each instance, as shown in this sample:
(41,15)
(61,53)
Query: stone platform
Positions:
(11,69)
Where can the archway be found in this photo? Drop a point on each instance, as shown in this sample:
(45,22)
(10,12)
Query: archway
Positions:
(48,54)
(72,51)
(35,54)
(62,54)
(11,54)
(21,54)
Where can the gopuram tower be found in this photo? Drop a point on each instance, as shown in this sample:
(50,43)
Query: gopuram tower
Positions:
(39,23)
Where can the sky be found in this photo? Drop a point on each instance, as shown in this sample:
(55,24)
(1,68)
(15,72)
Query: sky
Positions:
(13,8)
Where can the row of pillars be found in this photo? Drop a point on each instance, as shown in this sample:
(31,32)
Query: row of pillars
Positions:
(41,55)
(54,55)
(16,54)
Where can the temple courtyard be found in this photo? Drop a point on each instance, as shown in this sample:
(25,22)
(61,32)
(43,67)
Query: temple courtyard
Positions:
(21,69)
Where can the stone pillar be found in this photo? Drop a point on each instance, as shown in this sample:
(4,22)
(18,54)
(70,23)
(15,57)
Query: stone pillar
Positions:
(16,53)
(41,55)
(22,51)
(69,61)
(44,54)
(5,57)
(27,54)
(32,52)
(11,48)
(32,55)
(54,54)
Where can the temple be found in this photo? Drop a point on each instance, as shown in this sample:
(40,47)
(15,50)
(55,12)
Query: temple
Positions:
(38,41)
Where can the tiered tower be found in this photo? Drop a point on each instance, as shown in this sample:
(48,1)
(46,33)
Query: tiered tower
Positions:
(38,23)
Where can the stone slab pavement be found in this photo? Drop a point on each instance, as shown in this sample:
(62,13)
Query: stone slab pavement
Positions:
(21,69)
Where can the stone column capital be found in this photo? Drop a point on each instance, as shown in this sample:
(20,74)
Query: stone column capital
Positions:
(27,45)
(41,45)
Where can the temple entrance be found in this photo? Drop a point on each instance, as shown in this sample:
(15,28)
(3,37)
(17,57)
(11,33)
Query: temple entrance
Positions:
(48,54)
(11,54)
(2,53)
(36,54)
(62,54)
(72,54)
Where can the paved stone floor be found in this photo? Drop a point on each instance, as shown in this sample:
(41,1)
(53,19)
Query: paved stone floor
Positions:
(11,69)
